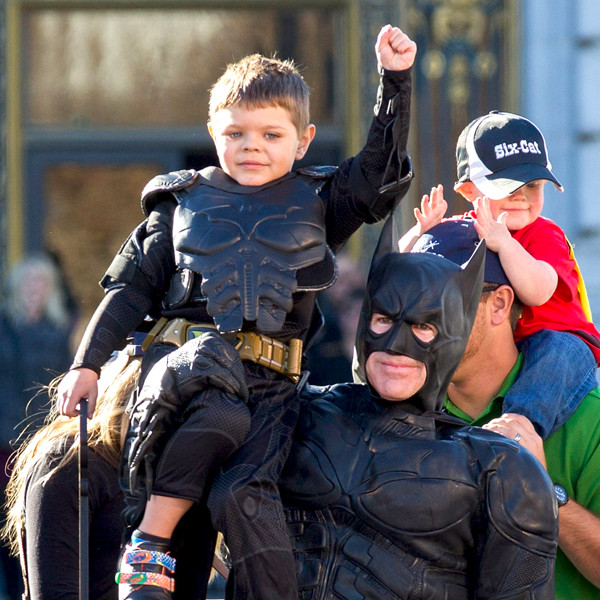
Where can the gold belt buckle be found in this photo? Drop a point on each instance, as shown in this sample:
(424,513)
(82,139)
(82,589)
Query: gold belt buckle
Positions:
(174,331)
(255,347)
(249,346)
(272,353)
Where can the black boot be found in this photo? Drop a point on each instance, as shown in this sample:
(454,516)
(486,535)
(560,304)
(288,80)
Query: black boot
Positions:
(147,571)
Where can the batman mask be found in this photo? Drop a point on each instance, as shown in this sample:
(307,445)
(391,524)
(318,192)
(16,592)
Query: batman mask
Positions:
(415,289)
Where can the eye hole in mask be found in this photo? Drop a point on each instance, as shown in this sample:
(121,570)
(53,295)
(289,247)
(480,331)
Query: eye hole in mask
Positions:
(381,324)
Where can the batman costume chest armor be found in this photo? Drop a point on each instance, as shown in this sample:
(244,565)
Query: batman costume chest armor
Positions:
(382,504)
(253,246)
(373,507)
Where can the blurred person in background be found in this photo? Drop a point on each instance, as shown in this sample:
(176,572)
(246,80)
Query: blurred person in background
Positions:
(35,332)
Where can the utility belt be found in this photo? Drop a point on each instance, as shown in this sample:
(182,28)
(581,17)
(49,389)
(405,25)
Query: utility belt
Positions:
(254,347)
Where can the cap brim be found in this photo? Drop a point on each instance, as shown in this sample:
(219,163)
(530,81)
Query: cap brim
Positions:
(503,183)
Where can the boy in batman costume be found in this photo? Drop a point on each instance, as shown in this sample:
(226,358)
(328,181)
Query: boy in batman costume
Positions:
(241,252)
(387,497)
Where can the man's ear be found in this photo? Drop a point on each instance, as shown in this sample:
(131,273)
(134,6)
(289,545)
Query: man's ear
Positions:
(502,300)
(467,190)
(305,139)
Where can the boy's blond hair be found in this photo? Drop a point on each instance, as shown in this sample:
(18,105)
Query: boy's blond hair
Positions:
(256,82)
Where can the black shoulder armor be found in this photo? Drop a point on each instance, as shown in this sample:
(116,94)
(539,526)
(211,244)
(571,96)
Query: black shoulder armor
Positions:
(167,183)
(317,176)
(318,172)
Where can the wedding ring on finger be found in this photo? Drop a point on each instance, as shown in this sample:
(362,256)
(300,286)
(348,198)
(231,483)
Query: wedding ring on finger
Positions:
(517,438)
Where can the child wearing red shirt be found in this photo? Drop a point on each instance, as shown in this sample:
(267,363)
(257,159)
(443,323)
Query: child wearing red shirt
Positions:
(502,166)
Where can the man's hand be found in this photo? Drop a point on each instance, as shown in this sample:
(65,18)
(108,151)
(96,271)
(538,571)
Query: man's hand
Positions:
(394,49)
(512,425)
(75,385)
(579,528)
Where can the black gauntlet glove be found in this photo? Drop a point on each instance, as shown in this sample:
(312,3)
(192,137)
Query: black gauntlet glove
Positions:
(205,361)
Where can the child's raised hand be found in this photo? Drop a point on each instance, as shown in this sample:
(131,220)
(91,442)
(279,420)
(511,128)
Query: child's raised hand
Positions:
(493,231)
(432,212)
(394,49)
(433,209)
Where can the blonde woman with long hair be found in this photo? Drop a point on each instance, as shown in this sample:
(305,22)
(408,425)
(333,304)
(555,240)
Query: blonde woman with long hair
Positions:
(35,343)
(42,496)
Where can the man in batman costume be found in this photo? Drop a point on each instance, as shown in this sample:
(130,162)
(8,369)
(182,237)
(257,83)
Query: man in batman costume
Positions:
(246,259)
(387,497)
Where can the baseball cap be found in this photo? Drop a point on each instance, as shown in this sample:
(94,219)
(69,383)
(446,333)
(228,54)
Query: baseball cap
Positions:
(500,152)
(456,240)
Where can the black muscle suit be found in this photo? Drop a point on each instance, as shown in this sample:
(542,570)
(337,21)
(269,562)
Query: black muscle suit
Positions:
(170,268)
(397,505)
(397,500)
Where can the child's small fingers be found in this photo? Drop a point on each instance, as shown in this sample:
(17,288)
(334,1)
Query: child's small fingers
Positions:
(480,230)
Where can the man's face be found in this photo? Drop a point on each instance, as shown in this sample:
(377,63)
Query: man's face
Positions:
(476,340)
(257,145)
(495,309)
(397,377)
(418,307)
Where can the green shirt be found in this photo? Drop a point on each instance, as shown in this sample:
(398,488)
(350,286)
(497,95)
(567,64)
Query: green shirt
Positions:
(573,460)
